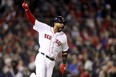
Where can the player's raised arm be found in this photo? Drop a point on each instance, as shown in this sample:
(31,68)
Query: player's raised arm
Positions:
(28,13)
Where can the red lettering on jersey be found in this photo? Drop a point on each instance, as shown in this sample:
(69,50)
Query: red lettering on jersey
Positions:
(48,36)
(58,42)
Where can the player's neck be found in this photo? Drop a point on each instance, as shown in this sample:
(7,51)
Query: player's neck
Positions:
(55,30)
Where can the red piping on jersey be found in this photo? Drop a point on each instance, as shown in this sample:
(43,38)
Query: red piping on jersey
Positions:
(51,39)
(30,17)
(50,42)
(53,45)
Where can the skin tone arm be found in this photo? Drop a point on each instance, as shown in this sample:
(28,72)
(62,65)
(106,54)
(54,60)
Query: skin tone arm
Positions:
(64,57)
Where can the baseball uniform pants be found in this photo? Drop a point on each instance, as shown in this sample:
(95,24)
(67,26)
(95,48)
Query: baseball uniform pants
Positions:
(44,66)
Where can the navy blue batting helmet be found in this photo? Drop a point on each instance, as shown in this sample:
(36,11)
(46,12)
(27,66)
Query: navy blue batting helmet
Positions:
(59,19)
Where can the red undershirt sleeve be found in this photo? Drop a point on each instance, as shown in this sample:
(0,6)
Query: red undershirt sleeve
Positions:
(30,17)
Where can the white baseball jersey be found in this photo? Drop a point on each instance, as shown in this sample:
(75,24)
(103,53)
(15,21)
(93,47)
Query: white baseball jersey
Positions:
(50,43)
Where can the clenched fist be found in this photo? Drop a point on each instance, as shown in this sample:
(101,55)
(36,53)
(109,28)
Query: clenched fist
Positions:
(25,6)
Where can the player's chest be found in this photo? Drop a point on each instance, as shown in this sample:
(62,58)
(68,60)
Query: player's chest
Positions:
(53,38)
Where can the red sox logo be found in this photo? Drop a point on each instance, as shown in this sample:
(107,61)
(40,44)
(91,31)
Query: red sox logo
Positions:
(47,36)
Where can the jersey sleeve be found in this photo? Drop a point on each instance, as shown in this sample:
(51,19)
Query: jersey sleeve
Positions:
(39,26)
(65,46)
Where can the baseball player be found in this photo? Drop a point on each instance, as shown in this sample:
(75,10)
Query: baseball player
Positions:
(52,41)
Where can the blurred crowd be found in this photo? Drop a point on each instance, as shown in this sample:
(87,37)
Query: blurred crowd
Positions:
(90,28)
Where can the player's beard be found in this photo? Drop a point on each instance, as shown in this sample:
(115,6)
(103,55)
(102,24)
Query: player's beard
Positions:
(60,29)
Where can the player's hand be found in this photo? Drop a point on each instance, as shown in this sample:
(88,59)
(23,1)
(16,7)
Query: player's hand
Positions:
(25,6)
(63,68)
